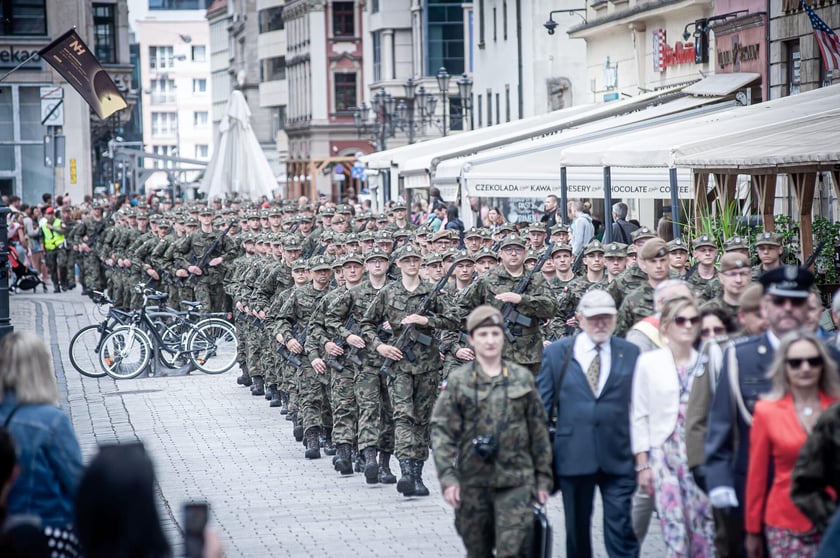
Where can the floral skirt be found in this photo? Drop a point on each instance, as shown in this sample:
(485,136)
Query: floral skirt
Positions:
(784,543)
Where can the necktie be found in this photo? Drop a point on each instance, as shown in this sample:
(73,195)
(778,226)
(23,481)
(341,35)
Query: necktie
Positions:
(593,373)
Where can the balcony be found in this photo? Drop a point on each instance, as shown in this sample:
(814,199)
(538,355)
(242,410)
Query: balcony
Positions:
(162,97)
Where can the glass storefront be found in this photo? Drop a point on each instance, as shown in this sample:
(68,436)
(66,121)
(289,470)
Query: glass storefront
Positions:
(22,143)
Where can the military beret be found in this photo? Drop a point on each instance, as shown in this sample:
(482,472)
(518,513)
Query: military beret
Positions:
(750,299)
(677,244)
(654,248)
(441,235)
(376,252)
(513,240)
(733,260)
(703,240)
(484,316)
(768,239)
(593,247)
(615,250)
(787,281)
(640,233)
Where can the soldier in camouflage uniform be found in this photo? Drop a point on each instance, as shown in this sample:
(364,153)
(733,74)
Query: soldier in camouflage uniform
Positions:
(678,257)
(633,276)
(703,272)
(137,256)
(208,282)
(615,260)
(734,277)
(312,384)
(89,234)
(375,417)
(453,344)
(560,286)
(536,303)
(123,261)
(638,303)
(232,284)
(415,364)
(492,492)
(770,251)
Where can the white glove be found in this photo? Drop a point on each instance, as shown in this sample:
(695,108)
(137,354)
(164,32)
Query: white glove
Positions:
(723,497)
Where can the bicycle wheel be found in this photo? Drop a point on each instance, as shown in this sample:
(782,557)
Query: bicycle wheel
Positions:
(126,352)
(212,346)
(84,351)
(172,339)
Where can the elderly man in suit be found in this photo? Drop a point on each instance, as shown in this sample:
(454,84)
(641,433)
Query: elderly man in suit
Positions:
(586,382)
(742,381)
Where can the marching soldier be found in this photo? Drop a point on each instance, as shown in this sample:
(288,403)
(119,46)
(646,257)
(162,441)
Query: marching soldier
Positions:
(615,258)
(207,284)
(638,303)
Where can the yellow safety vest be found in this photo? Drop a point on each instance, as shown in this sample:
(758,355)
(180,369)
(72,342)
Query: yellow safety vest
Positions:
(52,239)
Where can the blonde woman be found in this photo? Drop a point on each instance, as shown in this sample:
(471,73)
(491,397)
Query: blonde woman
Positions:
(661,387)
(805,383)
(49,456)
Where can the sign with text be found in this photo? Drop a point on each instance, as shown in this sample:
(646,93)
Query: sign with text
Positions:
(585,182)
(12,55)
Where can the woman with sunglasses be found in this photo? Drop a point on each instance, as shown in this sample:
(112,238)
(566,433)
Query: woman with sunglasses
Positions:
(804,383)
(661,388)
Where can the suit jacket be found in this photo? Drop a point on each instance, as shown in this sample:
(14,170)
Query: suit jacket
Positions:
(593,434)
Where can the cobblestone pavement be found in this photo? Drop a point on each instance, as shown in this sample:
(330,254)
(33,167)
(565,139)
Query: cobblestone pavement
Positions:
(211,440)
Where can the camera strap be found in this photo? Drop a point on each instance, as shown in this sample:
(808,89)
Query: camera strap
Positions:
(505,382)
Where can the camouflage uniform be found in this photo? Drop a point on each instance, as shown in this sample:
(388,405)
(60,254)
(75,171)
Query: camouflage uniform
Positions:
(208,286)
(139,253)
(537,303)
(632,278)
(496,496)
(91,269)
(636,305)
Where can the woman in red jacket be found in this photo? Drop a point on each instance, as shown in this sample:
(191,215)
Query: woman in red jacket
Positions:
(805,382)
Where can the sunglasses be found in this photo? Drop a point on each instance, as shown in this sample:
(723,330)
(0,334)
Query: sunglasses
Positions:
(714,331)
(682,321)
(780,301)
(813,362)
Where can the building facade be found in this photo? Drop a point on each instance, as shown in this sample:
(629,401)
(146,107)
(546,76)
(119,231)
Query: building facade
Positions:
(28,94)
(173,40)
(273,90)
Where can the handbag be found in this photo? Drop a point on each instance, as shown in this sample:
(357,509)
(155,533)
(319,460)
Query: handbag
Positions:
(555,411)
(542,539)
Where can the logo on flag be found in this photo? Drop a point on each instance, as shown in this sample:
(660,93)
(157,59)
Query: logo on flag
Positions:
(826,39)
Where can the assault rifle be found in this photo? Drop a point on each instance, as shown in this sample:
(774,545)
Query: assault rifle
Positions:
(408,337)
(363,226)
(289,356)
(809,261)
(91,242)
(349,353)
(511,318)
(205,258)
(578,261)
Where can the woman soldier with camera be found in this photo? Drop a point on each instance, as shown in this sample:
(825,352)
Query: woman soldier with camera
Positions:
(491,445)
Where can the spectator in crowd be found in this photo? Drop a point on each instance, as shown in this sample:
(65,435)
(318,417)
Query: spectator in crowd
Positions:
(804,383)
(549,216)
(495,218)
(583,231)
(454,223)
(645,333)
(661,386)
(716,323)
(49,455)
(116,508)
(585,381)
(621,228)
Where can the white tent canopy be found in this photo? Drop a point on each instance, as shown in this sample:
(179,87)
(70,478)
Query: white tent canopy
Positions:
(238,163)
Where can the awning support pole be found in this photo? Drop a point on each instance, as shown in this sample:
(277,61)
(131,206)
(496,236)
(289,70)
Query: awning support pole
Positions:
(675,202)
(607,206)
(564,196)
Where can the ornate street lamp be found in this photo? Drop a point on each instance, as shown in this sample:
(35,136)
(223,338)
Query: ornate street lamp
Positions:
(465,86)
(443,83)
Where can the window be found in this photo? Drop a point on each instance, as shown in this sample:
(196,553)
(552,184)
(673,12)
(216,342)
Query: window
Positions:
(163,91)
(278,119)
(507,102)
(374,6)
(377,56)
(200,118)
(273,69)
(200,85)
(345,92)
(480,23)
(166,151)
(202,151)
(199,53)
(161,57)
(344,23)
(164,124)
(456,113)
(498,108)
(446,37)
(104,42)
(179,4)
(504,19)
(495,36)
(23,17)
(794,67)
(489,108)
(479,111)
(271,19)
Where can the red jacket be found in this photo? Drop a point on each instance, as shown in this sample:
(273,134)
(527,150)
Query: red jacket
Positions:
(776,437)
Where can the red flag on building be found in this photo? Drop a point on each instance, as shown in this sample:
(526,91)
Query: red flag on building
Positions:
(71,58)
(826,39)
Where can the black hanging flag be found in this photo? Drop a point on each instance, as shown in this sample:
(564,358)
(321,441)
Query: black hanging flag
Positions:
(71,58)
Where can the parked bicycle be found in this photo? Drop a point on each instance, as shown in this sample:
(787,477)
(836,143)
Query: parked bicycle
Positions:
(209,344)
(86,343)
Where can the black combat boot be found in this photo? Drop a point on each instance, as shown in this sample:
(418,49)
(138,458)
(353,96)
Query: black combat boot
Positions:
(275,397)
(341,461)
(244,379)
(284,403)
(419,488)
(297,428)
(385,474)
(269,392)
(327,443)
(406,484)
(358,460)
(313,450)
(259,386)
(371,469)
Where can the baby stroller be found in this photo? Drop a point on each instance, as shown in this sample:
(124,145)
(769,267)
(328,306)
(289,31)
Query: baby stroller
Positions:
(25,278)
